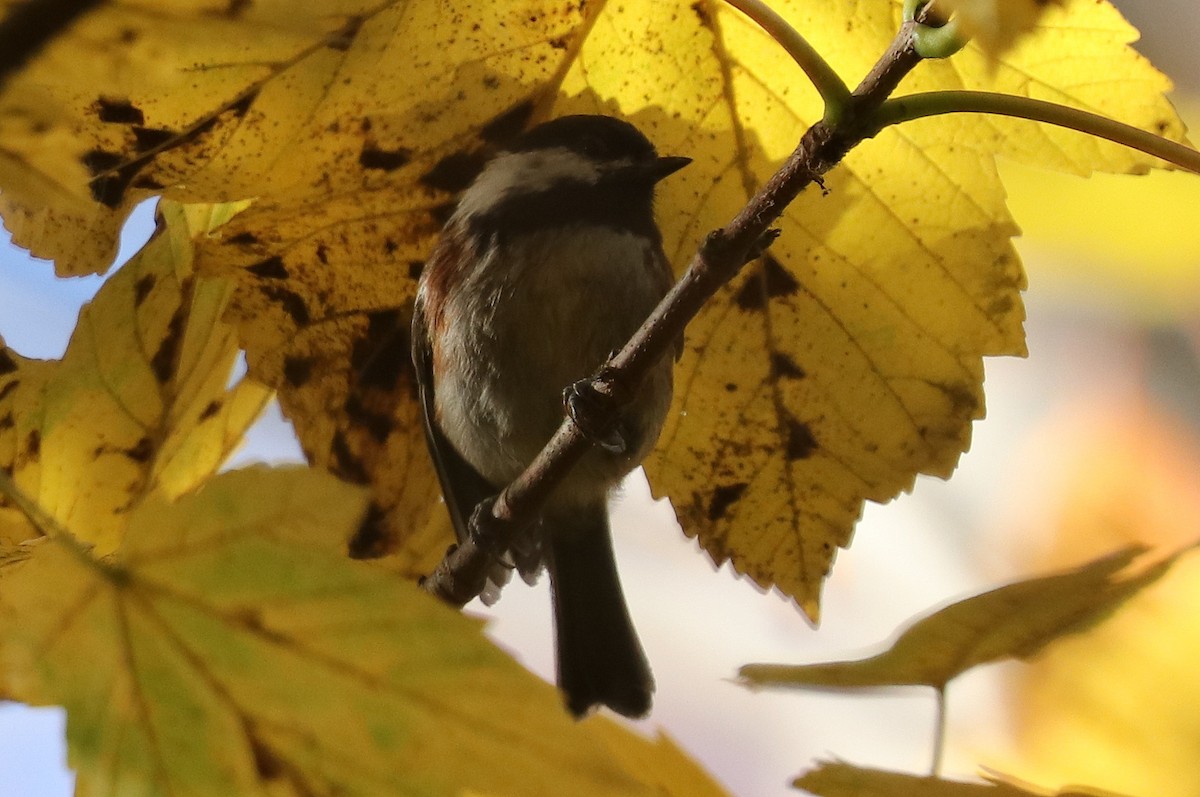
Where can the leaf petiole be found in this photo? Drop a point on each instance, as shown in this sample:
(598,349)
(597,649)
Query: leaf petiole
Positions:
(933,40)
(933,103)
(825,80)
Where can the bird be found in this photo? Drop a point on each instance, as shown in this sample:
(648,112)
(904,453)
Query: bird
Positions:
(548,264)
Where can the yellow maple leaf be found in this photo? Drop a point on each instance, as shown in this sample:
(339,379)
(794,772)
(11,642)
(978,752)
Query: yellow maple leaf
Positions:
(230,648)
(832,373)
(658,762)
(139,403)
(1014,621)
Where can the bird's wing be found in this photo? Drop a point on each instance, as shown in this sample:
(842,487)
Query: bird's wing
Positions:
(462,485)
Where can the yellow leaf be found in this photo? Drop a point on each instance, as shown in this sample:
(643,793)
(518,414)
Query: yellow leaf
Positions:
(139,402)
(1131,239)
(996,24)
(839,779)
(658,762)
(1014,621)
(1079,55)
(229,648)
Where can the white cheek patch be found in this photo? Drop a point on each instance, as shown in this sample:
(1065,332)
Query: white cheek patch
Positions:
(525,173)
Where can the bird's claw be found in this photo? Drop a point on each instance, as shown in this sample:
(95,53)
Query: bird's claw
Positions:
(591,412)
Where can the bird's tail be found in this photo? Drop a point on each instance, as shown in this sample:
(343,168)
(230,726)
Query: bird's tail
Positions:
(600,660)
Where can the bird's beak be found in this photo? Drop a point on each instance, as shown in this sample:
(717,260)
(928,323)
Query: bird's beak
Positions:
(666,166)
(648,172)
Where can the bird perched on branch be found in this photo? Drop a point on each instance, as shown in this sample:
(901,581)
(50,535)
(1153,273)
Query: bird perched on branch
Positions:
(550,262)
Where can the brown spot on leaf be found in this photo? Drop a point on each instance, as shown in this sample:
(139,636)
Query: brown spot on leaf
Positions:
(770,281)
(346,463)
(382,356)
(236,7)
(6,421)
(33,444)
(442,213)
(164,360)
(297,370)
(454,172)
(507,125)
(378,425)
(108,190)
(7,363)
(242,104)
(209,411)
(10,387)
(371,539)
(800,441)
(415,267)
(266,763)
(118,110)
(344,38)
(100,160)
(784,367)
(148,138)
(243,239)
(142,288)
(723,498)
(141,451)
(291,302)
(963,402)
(372,157)
(111,175)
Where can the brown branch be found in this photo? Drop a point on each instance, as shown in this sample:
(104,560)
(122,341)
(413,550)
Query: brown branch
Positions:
(463,572)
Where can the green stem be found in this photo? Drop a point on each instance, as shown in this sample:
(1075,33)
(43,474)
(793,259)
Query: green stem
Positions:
(933,103)
(828,84)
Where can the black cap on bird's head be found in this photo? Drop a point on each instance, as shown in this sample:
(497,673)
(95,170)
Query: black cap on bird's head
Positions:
(603,139)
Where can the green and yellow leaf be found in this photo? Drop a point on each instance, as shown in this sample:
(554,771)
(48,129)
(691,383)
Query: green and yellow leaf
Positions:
(1014,621)
(230,648)
(141,401)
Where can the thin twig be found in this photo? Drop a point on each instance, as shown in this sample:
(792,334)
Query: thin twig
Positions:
(462,573)
(933,103)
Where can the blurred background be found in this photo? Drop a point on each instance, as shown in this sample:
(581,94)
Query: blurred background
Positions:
(1092,442)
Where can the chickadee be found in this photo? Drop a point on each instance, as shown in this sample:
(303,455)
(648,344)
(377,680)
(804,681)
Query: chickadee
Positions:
(549,263)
